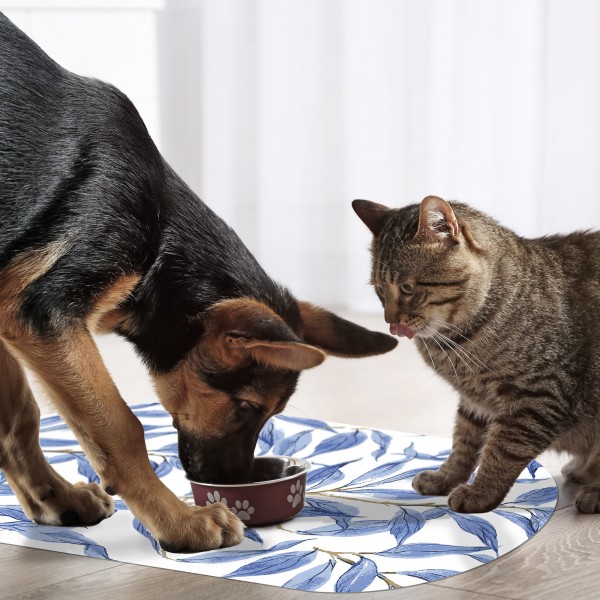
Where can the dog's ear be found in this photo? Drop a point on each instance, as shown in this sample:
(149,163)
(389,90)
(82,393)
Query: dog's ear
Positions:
(339,337)
(242,330)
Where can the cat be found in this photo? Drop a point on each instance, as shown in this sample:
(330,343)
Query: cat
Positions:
(512,324)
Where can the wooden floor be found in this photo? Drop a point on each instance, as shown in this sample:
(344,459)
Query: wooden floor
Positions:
(397,391)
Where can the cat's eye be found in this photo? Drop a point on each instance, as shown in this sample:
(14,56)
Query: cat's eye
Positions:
(407,288)
(379,288)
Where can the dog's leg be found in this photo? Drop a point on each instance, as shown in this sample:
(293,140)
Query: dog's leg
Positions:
(71,368)
(45,496)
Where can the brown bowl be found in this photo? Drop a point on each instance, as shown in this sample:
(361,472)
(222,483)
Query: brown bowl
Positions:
(276,493)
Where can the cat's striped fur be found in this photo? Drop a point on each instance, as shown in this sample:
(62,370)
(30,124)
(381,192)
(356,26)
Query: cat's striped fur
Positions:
(512,324)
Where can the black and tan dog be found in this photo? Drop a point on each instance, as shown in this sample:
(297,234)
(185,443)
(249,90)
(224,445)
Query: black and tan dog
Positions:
(98,234)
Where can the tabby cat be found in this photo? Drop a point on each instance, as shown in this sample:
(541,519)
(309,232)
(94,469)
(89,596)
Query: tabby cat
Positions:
(513,324)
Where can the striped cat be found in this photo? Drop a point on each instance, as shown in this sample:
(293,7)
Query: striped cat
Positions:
(512,324)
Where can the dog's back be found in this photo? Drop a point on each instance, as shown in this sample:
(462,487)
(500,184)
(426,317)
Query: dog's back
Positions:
(77,167)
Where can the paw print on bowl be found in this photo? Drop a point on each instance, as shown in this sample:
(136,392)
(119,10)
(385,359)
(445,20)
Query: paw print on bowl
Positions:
(243,509)
(215,497)
(296,494)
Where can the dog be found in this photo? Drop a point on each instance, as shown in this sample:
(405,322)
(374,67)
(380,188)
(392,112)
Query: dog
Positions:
(97,235)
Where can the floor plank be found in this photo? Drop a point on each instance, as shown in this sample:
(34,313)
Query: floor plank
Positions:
(26,570)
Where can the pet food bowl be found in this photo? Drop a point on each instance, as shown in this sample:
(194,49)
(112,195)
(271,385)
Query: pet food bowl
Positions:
(276,493)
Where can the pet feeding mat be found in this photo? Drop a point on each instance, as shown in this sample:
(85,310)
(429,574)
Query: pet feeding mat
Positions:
(363,527)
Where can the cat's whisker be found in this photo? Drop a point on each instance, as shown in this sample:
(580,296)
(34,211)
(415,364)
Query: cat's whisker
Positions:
(469,355)
(437,336)
(447,355)
(455,329)
(428,352)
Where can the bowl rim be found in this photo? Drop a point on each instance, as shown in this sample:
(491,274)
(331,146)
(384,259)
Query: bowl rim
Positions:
(303,463)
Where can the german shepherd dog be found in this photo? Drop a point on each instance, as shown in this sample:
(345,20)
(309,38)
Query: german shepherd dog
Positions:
(98,234)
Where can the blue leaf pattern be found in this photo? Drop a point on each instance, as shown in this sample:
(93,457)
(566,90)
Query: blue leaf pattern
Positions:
(313,579)
(290,446)
(359,503)
(279,563)
(430,574)
(358,577)
(405,523)
(383,442)
(478,527)
(536,497)
(340,441)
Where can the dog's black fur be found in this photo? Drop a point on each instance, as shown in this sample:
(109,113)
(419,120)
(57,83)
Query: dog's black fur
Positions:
(78,167)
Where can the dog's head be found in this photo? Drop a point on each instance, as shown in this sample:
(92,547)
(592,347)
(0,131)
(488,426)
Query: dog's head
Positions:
(242,372)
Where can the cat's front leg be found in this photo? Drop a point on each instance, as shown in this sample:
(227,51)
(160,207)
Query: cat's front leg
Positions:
(512,442)
(467,440)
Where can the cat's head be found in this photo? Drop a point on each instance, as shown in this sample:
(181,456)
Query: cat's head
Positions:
(429,270)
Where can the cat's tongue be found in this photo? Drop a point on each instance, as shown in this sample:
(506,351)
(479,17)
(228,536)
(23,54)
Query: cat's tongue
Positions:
(402,330)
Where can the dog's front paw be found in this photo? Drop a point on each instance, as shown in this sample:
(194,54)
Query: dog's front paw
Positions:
(72,505)
(205,528)
(432,483)
(468,499)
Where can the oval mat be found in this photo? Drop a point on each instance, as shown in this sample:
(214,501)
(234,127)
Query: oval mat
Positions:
(363,527)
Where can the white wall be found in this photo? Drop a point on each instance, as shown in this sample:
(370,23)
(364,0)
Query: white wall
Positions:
(280,112)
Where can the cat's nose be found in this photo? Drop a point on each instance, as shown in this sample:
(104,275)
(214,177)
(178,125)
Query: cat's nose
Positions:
(391,313)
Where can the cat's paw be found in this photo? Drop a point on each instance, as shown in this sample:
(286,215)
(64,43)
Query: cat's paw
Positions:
(468,499)
(432,483)
(588,499)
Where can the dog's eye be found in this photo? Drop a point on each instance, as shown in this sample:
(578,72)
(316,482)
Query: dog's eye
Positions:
(246,407)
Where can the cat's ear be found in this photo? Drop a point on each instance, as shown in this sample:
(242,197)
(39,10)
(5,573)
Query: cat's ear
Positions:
(373,215)
(437,220)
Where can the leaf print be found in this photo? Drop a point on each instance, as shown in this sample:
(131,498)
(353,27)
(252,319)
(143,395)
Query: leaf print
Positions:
(225,556)
(319,478)
(6,490)
(433,513)
(532,467)
(51,421)
(63,535)
(313,579)
(279,563)
(428,550)
(482,558)
(522,521)
(358,577)
(291,445)
(386,494)
(140,528)
(151,413)
(84,468)
(540,517)
(269,436)
(253,535)
(317,507)
(340,441)
(14,512)
(381,471)
(350,528)
(60,458)
(405,523)
(163,468)
(52,443)
(536,497)
(479,527)
(169,449)
(383,441)
(308,423)
(430,574)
